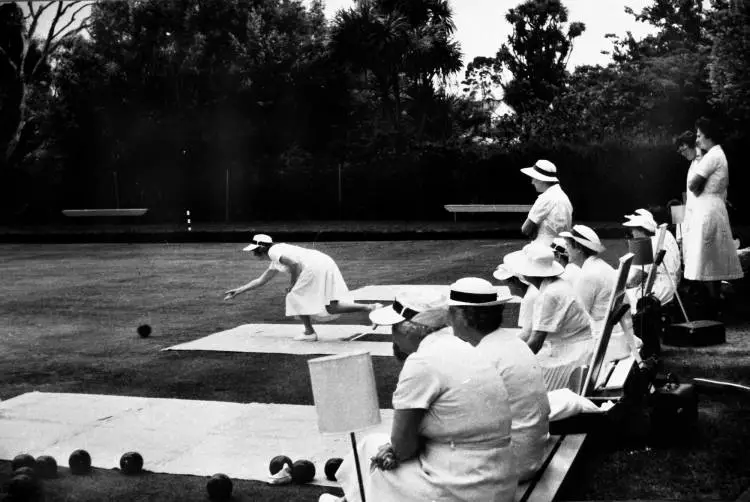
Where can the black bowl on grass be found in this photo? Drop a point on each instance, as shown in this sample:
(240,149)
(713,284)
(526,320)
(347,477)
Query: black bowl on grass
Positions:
(22,460)
(277,463)
(131,463)
(219,487)
(144,330)
(303,471)
(79,462)
(332,465)
(46,467)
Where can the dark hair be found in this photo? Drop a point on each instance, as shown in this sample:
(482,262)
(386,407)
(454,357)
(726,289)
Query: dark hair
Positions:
(587,252)
(710,129)
(262,250)
(685,138)
(483,319)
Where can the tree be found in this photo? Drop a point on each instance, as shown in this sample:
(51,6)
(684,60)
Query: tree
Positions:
(27,59)
(537,53)
(404,45)
(728,64)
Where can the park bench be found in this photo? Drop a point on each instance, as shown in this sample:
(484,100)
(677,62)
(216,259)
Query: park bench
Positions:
(596,382)
(83,213)
(486,208)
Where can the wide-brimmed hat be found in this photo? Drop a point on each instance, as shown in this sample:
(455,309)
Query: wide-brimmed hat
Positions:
(559,246)
(258,241)
(407,305)
(542,170)
(502,273)
(586,237)
(534,260)
(641,221)
(476,292)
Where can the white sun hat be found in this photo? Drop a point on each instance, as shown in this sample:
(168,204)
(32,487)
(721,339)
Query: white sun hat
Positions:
(535,260)
(542,170)
(476,292)
(585,236)
(502,273)
(258,241)
(407,305)
(643,222)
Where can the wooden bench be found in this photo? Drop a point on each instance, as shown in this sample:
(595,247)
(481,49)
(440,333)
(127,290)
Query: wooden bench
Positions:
(486,208)
(543,487)
(79,213)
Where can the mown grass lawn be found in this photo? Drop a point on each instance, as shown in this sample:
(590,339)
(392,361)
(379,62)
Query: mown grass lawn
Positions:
(69,319)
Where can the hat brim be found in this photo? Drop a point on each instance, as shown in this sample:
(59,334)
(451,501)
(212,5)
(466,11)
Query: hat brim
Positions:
(502,273)
(634,223)
(500,301)
(533,173)
(597,248)
(251,247)
(520,265)
(386,316)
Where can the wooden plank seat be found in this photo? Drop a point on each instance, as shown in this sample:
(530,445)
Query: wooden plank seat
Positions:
(83,213)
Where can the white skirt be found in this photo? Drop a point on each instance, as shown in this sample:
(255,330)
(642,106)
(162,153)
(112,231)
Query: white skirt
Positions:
(319,284)
(709,253)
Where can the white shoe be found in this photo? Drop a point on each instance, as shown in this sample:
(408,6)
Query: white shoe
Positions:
(327,497)
(312,337)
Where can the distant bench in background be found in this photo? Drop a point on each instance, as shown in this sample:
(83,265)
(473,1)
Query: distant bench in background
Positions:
(79,213)
(486,208)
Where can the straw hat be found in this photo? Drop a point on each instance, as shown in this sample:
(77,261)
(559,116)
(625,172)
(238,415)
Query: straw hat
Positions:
(475,292)
(258,241)
(637,220)
(586,237)
(535,260)
(407,305)
(542,170)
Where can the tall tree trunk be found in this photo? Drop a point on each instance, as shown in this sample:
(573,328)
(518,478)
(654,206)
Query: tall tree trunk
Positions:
(15,139)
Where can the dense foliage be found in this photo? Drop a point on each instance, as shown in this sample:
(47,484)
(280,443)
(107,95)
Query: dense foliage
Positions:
(251,109)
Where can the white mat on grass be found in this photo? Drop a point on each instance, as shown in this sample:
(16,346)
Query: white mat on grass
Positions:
(387,292)
(278,339)
(173,435)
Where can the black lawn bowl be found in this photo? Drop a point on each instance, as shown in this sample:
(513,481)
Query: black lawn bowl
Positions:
(144,330)
(277,463)
(303,471)
(79,462)
(219,487)
(131,463)
(22,460)
(332,465)
(23,488)
(46,467)
(25,471)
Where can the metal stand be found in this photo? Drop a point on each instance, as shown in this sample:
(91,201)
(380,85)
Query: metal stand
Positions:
(356,462)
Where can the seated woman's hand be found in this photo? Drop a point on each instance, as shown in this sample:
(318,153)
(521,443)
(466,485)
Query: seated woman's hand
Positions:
(385,459)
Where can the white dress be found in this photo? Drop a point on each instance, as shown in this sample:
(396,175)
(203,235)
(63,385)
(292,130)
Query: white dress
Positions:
(552,212)
(466,431)
(527,395)
(709,253)
(594,287)
(319,283)
(569,344)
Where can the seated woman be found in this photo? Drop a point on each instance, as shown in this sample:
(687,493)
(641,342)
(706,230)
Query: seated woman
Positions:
(572,271)
(450,438)
(522,289)
(317,288)
(560,332)
(642,225)
(595,286)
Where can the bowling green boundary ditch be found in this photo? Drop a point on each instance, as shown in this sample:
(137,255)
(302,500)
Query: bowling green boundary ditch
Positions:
(70,314)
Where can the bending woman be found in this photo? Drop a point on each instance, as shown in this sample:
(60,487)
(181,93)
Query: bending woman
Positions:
(316,287)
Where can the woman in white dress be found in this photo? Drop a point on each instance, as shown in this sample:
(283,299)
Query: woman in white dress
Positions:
(709,253)
(317,288)
(451,435)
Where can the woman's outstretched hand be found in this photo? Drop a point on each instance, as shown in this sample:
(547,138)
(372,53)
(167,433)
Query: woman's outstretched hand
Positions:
(228,295)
